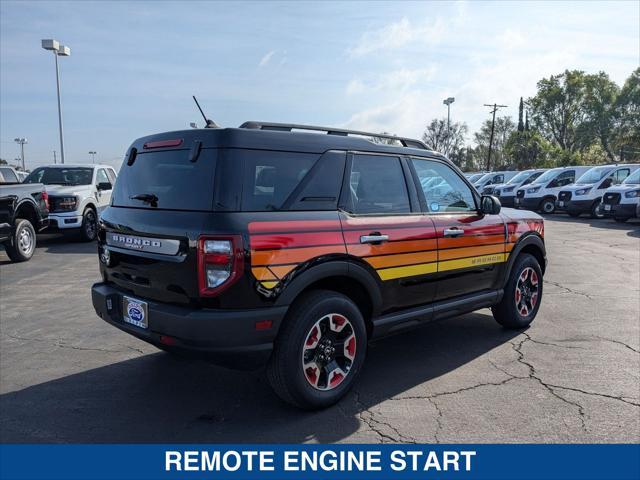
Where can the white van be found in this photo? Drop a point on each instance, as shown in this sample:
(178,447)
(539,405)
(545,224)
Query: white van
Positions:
(622,202)
(541,194)
(585,195)
(493,178)
(506,192)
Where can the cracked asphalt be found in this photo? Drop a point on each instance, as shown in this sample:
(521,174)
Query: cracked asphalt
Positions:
(573,376)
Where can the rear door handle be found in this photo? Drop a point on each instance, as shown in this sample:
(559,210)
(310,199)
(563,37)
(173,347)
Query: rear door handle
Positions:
(453,232)
(374,238)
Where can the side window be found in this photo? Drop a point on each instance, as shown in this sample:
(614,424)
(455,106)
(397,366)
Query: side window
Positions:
(621,175)
(444,190)
(9,175)
(112,176)
(565,178)
(101,177)
(377,185)
(270,177)
(498,179)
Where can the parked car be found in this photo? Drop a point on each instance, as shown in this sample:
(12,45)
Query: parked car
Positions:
(541,194)
(474,176)
(24,211)
(272,244)
(493,178)
(585,195)
(622,202)
(77,195)
(21,175)
(506,192)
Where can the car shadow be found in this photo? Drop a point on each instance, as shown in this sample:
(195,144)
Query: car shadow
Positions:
(55,243)
(159,398)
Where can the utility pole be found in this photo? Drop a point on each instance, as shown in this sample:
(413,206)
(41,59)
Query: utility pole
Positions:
(93,156)
(54,157)
(21,142)
(494,109)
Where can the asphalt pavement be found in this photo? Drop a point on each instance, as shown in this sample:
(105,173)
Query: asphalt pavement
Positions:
(573,376)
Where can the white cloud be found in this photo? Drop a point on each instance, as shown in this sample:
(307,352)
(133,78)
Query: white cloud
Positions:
(511,39)
(266,59)
(398,34)
(396,80)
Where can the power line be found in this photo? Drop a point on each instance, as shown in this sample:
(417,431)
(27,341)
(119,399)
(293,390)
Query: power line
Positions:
(495,108)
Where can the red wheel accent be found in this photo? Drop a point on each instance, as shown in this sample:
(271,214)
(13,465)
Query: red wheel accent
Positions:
(328,352)
(527,291)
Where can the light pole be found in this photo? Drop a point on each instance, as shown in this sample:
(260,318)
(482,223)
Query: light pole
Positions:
(93,156)
(21,142)
(448,102)
(62,51)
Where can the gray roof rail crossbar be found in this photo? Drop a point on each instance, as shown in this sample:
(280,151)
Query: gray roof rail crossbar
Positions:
(288,127)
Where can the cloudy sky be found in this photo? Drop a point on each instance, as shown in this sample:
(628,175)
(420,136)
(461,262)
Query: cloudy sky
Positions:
(372,66)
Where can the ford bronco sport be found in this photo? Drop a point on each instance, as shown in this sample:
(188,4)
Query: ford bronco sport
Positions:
(293,246)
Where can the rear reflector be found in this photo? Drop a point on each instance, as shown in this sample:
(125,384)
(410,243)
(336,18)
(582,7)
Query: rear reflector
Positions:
(163,144)
(166,340)
(264,324)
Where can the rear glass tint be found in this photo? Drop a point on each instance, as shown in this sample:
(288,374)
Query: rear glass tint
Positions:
(270,177)
(177,183)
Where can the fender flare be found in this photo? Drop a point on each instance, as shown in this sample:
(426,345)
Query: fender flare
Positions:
(341,268)
(529,238)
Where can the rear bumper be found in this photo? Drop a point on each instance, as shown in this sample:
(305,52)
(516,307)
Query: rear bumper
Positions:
(622,210)
(226,337)
(527,203)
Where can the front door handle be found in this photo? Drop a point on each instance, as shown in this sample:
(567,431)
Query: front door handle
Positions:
(453,232)
(374,237)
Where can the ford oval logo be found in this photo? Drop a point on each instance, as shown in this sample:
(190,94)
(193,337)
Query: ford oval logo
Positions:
(135,312)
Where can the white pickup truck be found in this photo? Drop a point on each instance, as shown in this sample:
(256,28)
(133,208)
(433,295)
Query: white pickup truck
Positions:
(77,195)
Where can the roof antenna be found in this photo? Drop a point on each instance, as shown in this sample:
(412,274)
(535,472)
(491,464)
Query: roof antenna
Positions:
(209,123)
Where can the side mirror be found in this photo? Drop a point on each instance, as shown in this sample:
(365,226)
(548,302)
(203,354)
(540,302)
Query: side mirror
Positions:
(105,186)
(490,205)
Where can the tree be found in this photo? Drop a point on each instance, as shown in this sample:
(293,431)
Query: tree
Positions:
(3,161)
(528,149)
(600,107)
(448,141)
(384,141)
(520,110)
(627,114)
(559,111)
(504,126)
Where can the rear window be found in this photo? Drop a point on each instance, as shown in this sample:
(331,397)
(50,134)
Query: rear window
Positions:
(270,177)
(178,183)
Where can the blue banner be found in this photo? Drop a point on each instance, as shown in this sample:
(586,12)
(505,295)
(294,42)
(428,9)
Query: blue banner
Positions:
(324,462)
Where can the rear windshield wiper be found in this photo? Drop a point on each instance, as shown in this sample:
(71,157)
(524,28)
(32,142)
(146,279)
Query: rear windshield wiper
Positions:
(149,198)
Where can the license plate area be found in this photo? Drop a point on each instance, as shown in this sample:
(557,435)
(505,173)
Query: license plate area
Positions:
(561,203)
(607,207)
(135,312)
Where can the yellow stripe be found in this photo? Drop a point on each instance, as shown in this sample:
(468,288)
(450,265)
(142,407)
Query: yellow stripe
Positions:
(268,285)
(408,271)
(472,262)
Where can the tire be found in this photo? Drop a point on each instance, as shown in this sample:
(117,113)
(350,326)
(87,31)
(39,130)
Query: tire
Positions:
(547,205)
(23,243)
(89,228)
(621,219)
(595,210)
(514,310)
(299,369)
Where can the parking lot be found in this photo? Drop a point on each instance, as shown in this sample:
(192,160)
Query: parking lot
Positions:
(574,376)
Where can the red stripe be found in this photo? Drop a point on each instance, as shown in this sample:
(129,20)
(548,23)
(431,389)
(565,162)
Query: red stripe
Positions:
(289,240)
(293,226)
(482,230)
(394,234)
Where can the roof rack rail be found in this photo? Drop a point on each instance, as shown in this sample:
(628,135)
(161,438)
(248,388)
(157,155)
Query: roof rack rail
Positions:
(288,127)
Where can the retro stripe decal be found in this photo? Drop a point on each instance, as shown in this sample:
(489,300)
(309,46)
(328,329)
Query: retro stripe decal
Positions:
(277,248)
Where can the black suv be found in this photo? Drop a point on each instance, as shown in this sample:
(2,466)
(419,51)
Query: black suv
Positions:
(293,246)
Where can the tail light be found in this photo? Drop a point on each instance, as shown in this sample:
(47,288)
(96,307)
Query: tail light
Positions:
(45,199)
(220,263)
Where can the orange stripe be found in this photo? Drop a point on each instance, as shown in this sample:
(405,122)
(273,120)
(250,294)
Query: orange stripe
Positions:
(403,259)
(469,241)
(509,246)
(469,252)
(263,273)
(365,249)
(292,255)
